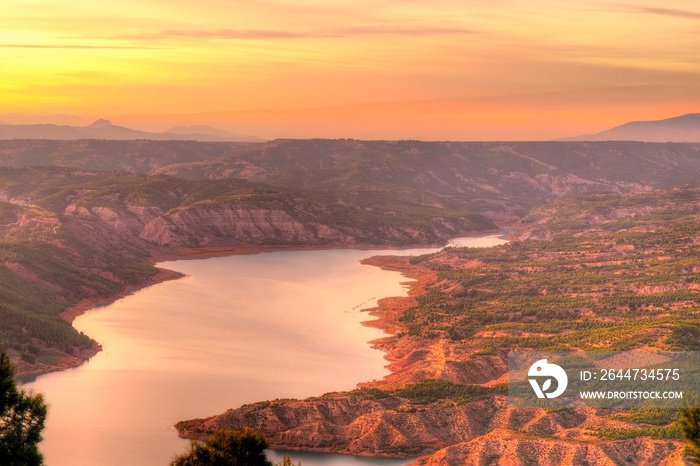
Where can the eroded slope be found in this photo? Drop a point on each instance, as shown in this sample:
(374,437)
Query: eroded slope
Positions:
(615,272)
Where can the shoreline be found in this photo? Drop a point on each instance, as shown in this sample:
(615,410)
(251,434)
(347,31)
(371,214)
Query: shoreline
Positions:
(85,305)
(25,373)
(223,251)
(65,362)
(384,316)
(390,309)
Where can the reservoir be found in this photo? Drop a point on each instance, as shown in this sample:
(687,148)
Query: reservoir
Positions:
(234,330)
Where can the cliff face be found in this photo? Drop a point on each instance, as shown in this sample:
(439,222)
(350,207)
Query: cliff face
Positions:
(238,225)
(233,223)
(350,424)
(164,211)
(479,433)
(18,221)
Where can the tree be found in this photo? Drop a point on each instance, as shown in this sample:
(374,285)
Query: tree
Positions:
(22,416)
(690,427)
(227,447)
(287,461)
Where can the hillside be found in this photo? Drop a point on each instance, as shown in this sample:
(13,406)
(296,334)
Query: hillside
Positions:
(503,181)
(100,208)
(72,235)
(107,155)
(104,129)
(160,210)
(615,271)
(685,128)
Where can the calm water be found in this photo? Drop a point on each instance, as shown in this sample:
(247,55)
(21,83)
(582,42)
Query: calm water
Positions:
(235,330)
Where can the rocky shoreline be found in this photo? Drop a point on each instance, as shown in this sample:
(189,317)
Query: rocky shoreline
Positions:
(382,419)
(379,420)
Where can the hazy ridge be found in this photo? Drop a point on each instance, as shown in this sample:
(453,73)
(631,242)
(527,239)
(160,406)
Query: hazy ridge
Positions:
(104,129)
(684,128)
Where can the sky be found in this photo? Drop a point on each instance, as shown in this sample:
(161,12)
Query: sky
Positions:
(371,69)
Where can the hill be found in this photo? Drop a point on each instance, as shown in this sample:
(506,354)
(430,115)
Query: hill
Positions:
(616,272)
(71,236)
(104,129)
(685,128)
(607,257)
(107,209)
(202,132)
(502,181)
(142,156)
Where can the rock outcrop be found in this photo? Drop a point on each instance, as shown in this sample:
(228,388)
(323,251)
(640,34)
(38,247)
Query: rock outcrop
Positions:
(505,448)
(351,424)
(212,226)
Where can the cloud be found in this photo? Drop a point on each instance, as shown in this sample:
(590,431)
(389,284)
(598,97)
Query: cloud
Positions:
(271,34)
(671,12)
(403,31)
(240,34)
(65,46)
(665,12)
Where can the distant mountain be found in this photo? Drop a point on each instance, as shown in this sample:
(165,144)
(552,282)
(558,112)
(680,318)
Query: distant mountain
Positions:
(104,129)
(101,123)
(685,128)
(203,131)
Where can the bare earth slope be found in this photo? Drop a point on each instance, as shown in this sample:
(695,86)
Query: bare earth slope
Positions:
(502,180)
(76,238)
(615,271)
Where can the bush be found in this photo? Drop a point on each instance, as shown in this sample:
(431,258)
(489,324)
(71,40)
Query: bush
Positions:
(227,447)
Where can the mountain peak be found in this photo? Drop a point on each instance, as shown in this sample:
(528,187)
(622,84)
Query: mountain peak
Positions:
(101,123)
(684,128)
(104,129)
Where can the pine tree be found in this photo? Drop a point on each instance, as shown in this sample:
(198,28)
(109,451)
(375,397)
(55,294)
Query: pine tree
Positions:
(22,416)
(690,427)
(227,447)
(287,461)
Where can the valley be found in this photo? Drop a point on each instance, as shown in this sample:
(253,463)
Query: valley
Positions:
(604,255)
(616,272)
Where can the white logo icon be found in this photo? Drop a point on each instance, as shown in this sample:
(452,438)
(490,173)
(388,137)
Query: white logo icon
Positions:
(542,368)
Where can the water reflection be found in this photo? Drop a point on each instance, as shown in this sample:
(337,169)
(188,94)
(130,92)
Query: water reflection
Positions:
(331,459)
(235,330)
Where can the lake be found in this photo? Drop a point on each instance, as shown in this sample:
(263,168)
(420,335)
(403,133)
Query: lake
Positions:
(234,330)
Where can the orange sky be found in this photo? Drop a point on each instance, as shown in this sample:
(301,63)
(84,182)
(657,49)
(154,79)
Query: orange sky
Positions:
(462,69)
